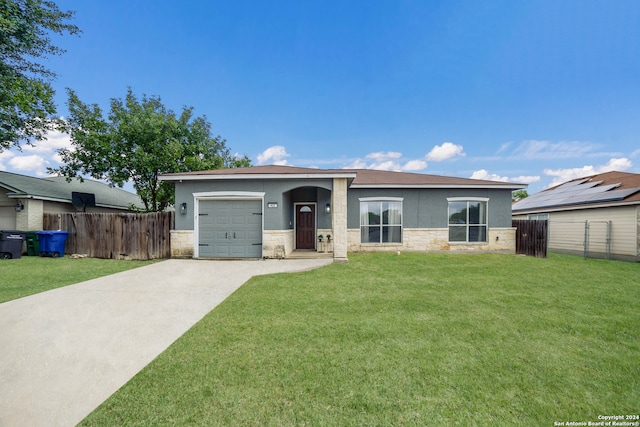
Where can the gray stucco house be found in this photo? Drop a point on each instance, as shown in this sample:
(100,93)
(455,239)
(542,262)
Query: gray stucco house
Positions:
(275,211)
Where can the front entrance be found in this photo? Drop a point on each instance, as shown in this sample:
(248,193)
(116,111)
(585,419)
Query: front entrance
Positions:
(306,226)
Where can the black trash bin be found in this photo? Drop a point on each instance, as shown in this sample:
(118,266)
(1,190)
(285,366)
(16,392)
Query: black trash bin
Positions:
(11,243)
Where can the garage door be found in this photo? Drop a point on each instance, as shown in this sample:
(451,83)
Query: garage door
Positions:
(230,229)
(7,218)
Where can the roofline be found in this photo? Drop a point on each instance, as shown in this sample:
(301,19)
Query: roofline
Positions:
(54,199)
(485,186)
(207,177)
(574,207)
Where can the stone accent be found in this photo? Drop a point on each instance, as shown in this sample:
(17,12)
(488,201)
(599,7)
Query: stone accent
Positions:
(30,219)
(181,243)
(277,243)
(339,219)
(500,240)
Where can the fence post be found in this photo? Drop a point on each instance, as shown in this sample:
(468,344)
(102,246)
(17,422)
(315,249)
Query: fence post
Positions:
(586,238)
(609,239)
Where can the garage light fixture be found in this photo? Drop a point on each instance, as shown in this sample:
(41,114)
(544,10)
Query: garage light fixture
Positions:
(183,208)
(327,209)
(19,206)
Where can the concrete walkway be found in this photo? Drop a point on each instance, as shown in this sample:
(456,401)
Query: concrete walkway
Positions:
(63,352)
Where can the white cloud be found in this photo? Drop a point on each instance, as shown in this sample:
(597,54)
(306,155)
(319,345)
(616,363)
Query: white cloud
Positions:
(273,155)
(389,161)
(53,142)
(564,175)
(381,156)
(414,165)
(34,164)
(485,175)
(448,150)
(535,149)
(525,179)
(5,156)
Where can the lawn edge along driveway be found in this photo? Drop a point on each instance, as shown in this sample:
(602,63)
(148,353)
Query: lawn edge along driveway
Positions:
(66,350)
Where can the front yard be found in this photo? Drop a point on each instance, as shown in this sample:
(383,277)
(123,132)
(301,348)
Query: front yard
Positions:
(31,275)
(415,339)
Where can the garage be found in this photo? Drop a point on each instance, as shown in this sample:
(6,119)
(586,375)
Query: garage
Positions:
(7,218)
(230,229)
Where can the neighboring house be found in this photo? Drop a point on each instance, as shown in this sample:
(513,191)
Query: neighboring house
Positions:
(272,211)
(597,215)
(24,199)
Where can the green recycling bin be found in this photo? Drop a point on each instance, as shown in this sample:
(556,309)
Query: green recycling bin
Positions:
(33,244)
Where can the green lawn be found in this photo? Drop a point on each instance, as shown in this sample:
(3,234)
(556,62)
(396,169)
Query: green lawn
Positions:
(415,340)
(31,275)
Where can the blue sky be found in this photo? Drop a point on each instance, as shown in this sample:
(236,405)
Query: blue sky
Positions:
(527,91)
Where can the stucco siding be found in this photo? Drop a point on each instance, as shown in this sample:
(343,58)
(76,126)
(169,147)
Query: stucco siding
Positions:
(280,192)
(428,208)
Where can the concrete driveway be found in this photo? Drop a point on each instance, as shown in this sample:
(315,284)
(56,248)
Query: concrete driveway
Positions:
(63,352)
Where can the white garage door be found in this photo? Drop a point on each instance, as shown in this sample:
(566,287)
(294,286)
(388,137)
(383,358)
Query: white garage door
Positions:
(230,229)
(7,218)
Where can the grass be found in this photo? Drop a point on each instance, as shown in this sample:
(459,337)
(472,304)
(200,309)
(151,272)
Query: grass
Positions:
(30,275)
(409,340)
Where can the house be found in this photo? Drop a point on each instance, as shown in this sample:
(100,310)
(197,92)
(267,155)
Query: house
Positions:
(597,215)
(274,211)
(24,199)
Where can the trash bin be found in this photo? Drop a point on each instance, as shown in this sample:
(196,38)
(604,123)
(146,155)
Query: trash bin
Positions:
(52,242)
(33,244)
(11,243)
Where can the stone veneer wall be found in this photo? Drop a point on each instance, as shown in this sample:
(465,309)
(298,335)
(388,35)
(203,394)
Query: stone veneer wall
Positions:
(30,218)
(500,240)
(339,219)
(277,243)
(181,243)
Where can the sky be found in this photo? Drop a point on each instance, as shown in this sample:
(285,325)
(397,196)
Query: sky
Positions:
(536,92)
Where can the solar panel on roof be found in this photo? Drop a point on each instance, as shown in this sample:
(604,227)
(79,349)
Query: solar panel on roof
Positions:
(575,192)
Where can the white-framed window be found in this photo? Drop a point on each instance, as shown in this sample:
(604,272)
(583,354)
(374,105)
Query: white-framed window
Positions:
(381,220)
(468,219)
(541,216)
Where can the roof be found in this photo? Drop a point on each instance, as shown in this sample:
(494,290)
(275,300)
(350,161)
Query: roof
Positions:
(361,178)
(57,189)
(605,189)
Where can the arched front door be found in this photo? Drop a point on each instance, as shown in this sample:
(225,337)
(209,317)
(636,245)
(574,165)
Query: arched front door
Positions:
(306,226)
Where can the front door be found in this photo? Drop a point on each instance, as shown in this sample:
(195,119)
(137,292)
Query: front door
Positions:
(306,226)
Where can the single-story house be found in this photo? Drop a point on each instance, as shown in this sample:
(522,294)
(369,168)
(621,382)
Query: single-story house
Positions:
(24,199)
(273,211)
(597,215)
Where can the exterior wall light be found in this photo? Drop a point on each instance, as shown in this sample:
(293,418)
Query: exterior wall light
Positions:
(19,206)
(183,208)
(327,209)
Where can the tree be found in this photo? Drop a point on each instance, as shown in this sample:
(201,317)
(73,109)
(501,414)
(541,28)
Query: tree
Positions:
(519,195)
(26,96)
(139,141)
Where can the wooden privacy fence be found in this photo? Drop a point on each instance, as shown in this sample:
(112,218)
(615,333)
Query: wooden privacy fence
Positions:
(531,237)
(115,235)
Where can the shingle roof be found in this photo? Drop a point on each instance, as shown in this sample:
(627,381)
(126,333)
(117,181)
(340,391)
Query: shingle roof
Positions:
(58,189)
(590,191)
(362,178)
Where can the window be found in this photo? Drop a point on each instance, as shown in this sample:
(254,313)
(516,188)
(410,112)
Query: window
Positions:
(539,216)
(381,220)
(467,220)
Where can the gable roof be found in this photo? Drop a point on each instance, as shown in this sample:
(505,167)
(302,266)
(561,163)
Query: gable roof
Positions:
(360,178)
(57,189)
(605,189)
